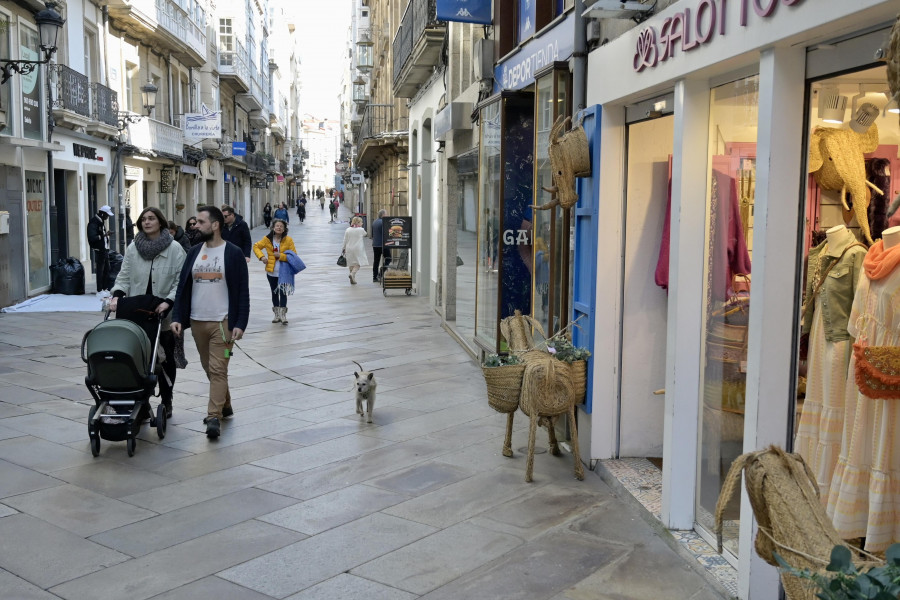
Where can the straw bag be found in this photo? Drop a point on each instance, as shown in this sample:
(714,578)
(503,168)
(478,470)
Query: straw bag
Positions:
(877,370)
(726,343)
(579,380)
(504,385)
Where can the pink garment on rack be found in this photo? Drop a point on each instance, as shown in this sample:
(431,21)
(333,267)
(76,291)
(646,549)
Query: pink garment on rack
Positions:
(730,254)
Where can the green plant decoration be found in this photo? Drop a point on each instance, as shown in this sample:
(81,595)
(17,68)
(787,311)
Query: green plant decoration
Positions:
(842,580)
(501,360)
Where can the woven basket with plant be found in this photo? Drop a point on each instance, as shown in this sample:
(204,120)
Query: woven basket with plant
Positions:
(503,377)
(562,349)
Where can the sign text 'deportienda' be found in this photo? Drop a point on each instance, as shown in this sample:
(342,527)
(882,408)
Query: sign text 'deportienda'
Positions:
(690,29)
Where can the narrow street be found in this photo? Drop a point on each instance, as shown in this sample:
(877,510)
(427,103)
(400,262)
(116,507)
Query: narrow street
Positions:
(300,498)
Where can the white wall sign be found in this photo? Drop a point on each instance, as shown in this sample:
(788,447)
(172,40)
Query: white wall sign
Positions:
(205,125)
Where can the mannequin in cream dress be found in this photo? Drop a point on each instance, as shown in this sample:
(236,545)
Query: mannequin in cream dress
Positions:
(822,421)
(864,500)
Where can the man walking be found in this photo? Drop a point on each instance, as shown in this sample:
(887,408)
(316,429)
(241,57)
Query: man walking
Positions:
(213,299)
(237,231)
(98,240)
(378,247)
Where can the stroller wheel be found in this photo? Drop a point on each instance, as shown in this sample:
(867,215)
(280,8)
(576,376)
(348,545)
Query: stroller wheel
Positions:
(129,445)
(160,421)
(95,438)
(95,446)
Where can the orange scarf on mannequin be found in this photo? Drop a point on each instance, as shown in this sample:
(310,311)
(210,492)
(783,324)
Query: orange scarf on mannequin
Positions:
(880,262)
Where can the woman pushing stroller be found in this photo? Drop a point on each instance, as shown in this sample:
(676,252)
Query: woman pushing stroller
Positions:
(150,270)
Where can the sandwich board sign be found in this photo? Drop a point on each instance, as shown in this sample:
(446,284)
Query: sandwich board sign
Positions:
(396,232)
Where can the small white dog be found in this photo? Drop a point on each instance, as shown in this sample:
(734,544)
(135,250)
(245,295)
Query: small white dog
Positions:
(365,390)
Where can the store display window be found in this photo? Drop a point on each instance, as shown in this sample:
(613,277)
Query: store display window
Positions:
(505,235)
(729,242)
(849,304)
(552,227)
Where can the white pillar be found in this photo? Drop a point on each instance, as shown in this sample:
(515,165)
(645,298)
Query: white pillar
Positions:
(774,302)
(684,331)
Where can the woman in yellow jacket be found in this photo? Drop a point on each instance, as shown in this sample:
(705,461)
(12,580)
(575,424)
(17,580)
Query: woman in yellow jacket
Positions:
(270,250)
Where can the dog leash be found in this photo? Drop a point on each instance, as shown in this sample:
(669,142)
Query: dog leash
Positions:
(270,370)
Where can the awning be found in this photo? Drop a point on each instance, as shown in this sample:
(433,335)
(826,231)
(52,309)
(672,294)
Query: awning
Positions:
(190,169)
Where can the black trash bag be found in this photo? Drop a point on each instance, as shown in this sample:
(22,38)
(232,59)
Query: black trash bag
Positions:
(115,265)
(67,277)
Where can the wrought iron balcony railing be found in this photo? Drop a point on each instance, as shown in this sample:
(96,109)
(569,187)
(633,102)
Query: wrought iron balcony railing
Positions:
(104,104)
(419,16)
(72,90)
(379,119)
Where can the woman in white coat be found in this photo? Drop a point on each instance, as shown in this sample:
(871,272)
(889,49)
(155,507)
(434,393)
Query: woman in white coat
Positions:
(354,249)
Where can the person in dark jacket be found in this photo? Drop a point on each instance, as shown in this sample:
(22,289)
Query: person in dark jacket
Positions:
(213,299)
(282,213)
(236,231)
(301,208)
(267,214)
(192,232)
(98,240)
(179,235)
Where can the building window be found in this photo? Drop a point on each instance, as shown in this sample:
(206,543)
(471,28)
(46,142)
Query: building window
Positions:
(226,42)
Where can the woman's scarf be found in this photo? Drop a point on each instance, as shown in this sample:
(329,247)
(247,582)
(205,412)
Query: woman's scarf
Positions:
(291,266)
(880,261)
(150,249)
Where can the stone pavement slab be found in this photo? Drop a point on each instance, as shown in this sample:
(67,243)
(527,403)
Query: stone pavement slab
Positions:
(19,589)
(42,455)
(112,478)
(16,480)
(350,587)
(46,555)
(211,587)
(325,555)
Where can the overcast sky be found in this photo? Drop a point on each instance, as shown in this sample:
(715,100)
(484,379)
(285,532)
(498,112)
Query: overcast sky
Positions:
(322,27)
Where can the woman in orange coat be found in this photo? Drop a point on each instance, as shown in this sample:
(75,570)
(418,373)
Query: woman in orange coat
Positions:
(270,250)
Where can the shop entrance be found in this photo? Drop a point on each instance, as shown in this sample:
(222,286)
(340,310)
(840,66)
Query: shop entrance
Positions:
(644,299)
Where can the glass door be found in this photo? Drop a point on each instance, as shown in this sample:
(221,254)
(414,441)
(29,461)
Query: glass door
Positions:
(729,241)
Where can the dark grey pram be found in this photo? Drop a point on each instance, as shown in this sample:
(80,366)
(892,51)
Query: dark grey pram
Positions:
(120,358)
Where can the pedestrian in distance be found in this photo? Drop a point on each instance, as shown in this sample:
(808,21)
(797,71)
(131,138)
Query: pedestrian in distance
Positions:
(178,234)
(98,240)
(151,268)
(236,231)
(267,214)
(190,228)
(271,250)
(354,249)
(282,213)
(213,299)
(301,209)
(333,208)
(378,247)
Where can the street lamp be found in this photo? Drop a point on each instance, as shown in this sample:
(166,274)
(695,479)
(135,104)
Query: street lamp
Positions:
(359,91)
(49,23)
(254,135)
(364,54)
(148,96)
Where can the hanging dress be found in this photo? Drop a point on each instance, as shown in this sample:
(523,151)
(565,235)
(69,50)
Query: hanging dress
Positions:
(864,500)
(822,420)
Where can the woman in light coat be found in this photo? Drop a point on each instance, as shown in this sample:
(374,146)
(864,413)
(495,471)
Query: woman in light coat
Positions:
(151,267)
(271,250)
(354,249)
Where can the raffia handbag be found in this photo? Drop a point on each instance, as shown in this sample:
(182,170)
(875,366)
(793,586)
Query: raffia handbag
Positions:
(877,370)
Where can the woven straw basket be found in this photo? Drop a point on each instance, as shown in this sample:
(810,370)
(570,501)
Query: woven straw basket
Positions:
(504,385)
(579,380)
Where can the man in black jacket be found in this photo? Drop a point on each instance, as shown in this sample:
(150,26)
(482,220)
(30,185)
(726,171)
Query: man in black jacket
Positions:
(236,231)
(213,299)
(98,240)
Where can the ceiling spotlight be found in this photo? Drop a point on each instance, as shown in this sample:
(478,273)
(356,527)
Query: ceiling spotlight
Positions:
(864,117)
(832,106)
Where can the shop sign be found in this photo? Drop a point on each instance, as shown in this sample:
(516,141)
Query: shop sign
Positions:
(688,30)
(239,148)
(465,11)
(270,177)
(556,44)
(261,184)
(134,173)
(165,181)
(31,91)
(397,233)
(205,125)
(517,237)
(85,152)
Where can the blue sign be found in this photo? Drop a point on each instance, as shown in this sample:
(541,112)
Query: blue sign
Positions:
(518,71)
(239,148)
(527,16)
(464,11)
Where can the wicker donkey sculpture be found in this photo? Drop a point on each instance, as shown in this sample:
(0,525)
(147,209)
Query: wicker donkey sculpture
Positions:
(547,392)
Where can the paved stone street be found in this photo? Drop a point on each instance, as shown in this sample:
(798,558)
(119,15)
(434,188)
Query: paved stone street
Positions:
(299,498)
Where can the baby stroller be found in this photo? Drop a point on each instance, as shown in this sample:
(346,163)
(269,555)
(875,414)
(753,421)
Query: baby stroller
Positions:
(121,359)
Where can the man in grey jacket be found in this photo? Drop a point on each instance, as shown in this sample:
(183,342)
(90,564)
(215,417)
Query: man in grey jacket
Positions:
(378,247)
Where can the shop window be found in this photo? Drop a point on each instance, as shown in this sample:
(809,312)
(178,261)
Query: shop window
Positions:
(487,281)
(552,228)
(844,433)
(729,239)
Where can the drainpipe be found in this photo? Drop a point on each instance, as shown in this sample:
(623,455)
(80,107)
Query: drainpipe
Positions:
(168,60)
(579,56)
(105,17)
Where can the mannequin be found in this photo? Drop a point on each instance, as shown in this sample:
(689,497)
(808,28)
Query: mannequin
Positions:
(865,487)
(832,275)
(890,237)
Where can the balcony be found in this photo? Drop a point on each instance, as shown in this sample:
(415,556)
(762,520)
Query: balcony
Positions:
(254,100)
(104,111)
(233,67)
(257,163)
(71,97)
(164,24)
(417,47)
(150,134)
(381,134)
